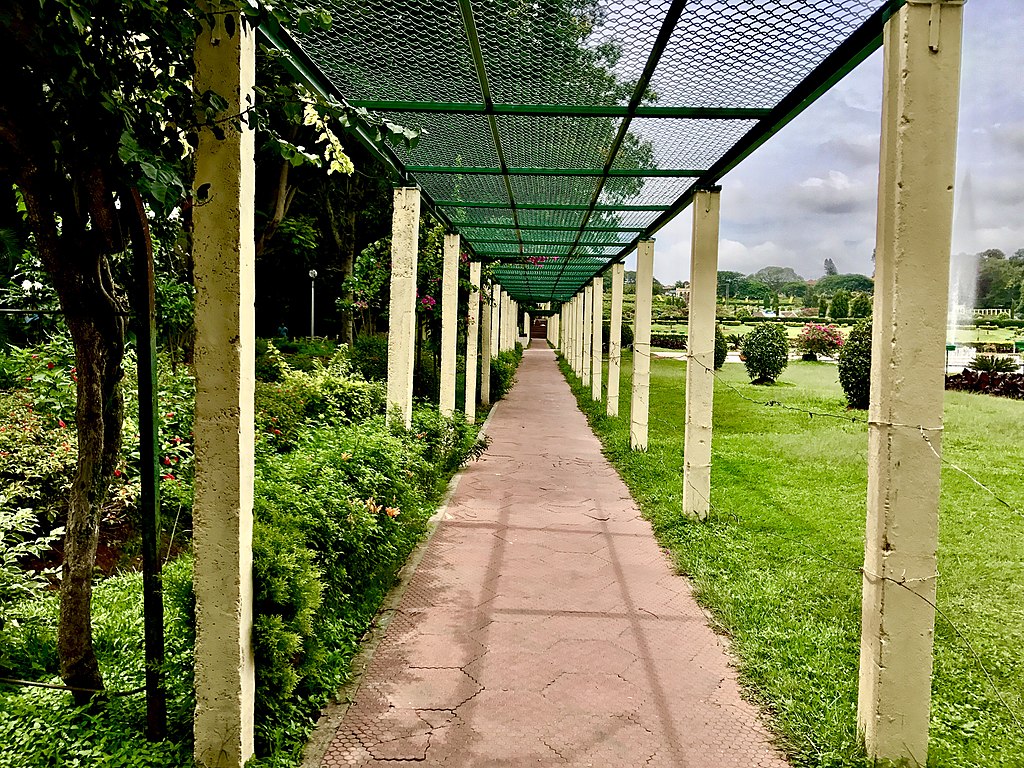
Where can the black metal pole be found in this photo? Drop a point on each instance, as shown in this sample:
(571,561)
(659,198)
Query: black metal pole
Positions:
(149,499)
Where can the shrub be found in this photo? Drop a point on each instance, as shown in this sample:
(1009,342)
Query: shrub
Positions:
(766,352)
(503,373)
(721,347)
(816,339)
(860,305)
(993,364)
(855,365)
(839,307)
(369,356)
(998,384)
(625,338)
(270,366)
(303,354)
(669,340)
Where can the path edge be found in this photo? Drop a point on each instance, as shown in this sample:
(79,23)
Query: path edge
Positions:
(334,712)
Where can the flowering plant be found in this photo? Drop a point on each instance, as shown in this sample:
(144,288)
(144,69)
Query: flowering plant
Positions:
(817,339)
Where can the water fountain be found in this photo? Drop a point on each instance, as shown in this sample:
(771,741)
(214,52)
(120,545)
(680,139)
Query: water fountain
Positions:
(963,283)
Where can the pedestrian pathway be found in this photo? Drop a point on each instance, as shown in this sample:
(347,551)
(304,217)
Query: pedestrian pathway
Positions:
(544,626)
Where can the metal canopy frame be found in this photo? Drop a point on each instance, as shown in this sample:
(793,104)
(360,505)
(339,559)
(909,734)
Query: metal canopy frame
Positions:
(559,133)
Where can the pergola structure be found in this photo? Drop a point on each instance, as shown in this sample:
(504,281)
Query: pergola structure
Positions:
(558,137)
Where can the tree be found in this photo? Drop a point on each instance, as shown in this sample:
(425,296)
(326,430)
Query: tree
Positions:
(95,124)
(766,352)
(822,307)
(776,277)
(850,283)
(999,280)
(839,307)
(830,268)
(860,305)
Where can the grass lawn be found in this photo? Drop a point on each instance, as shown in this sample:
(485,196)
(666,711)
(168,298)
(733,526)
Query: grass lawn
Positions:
(776,563)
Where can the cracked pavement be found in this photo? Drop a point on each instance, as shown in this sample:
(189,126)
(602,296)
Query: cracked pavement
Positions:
(544,626)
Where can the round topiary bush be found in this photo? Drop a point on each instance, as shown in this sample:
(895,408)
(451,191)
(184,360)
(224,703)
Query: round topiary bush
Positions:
(766,352)
(855,365)
(721,347)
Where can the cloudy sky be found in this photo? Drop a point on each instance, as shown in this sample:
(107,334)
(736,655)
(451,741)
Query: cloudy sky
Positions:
(810,192)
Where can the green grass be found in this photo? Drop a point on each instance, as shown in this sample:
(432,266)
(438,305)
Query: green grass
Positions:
(776,562)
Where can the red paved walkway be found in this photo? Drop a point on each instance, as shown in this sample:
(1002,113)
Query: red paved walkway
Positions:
(544,625)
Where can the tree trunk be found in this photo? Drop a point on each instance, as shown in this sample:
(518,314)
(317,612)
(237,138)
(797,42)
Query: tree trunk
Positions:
(75,255)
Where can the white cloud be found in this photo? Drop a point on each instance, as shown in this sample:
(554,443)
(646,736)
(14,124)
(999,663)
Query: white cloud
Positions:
(835,194)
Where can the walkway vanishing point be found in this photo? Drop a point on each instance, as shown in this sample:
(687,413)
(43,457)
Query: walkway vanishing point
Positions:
(544,626)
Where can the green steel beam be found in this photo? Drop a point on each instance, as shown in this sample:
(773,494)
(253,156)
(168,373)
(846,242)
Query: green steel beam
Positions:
(563,110)
(527,227)
(562,243)
(627,172)
(548,206)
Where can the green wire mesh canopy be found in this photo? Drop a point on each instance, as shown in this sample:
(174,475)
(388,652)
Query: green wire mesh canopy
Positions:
(558,133)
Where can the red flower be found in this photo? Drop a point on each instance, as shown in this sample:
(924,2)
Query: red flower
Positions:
(167,460)
(117,472)
(49,366)
(61,424)
(167,477)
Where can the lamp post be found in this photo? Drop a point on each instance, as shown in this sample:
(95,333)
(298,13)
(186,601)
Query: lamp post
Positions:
(312,300)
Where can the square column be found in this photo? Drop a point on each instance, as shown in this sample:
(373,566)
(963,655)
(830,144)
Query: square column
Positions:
(472,339)
(486,345)
(405,225)
(615,339)
(224,250)
(449,322)
(915,213)
(700,355)
(579,335)
(642,346)
(597,328)
(554,326)
(573,350)
(495,320)
(588,317)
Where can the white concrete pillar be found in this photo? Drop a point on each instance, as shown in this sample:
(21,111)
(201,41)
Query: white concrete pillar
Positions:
(449,322)
(615,339)
(642,346)
(405,223)
(495,345)
(503,322)
(486,344)
(554,327)
(588,316)
(597,328)
(527,330)
(579,334)
(917,172)
(472,337)
(571,337)
(700,354)
(225,252)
